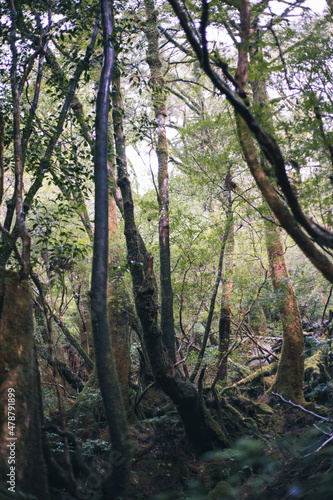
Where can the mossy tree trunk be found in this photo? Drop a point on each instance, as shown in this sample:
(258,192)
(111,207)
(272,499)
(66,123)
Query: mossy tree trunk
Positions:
(290,373)
(159,103)
(19,376)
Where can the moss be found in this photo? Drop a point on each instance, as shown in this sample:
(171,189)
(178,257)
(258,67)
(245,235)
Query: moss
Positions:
(88,407)
(221,490)
(265,408)
(312,366)
(19,370)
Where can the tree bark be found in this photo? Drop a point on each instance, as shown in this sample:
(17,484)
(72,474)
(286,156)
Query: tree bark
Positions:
(45,162)
(159,103)
(19,379)
(106,369)
(227,229)
(18,152)
(227,283)
(290,372)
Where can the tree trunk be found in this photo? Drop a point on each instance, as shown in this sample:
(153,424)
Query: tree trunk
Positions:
(202,432)
(227,283)
(44,165)
(21,444)
(290,371)
(159,103)
(106,370)
(291,366)
(18,152)
(227,229)
(289,376)
(117,307)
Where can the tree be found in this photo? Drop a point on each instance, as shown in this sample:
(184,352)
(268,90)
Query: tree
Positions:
(20,460)
(293,220)
(159,103)
(106,369)
(202,431)
(289,378)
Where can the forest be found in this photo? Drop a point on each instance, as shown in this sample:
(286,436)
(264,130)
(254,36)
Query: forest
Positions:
(166,249)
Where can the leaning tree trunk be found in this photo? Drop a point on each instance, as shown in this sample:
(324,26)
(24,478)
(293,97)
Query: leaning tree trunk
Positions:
(290,374)
(105,364)
(22,464)
(159,103)
(202,432)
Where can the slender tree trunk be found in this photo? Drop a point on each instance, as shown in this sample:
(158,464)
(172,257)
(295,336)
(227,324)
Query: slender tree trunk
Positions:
(227,229)
(291,218)
(44,164)
(106,369)
(18,153)
(227,283)
(159,103)
(21,453)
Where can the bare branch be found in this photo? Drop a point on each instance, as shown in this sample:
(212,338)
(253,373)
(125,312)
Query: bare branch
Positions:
(302,408)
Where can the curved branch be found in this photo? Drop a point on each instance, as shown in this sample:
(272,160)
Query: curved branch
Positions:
(272,152)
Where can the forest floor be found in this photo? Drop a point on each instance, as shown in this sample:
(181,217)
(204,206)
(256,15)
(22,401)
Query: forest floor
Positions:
(279,451)
(273,457)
